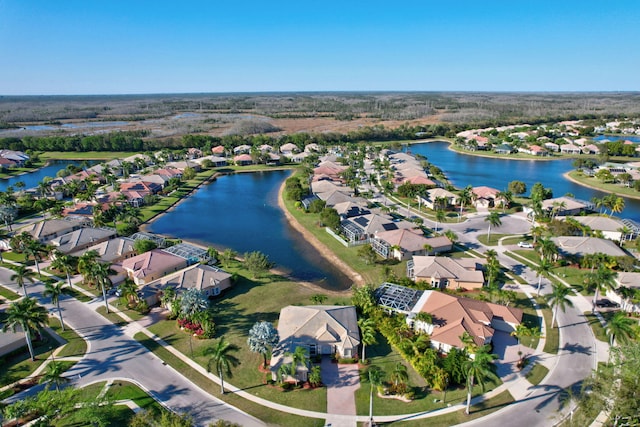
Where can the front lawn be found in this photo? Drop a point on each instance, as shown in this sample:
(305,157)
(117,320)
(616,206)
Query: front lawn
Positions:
(17,365)
(537,374)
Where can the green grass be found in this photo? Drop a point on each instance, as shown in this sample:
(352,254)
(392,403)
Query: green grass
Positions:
(119,417)
(124,390)
(14,256)
(618,189)
(552,335)
(92,391)
(248,302)
(537,374)
(8,294)
(265,414)
(86,155)
(77,295)
(598,330)
(517,239)
(493,240)
(18,365)
(114,318)
(480,410)
(530,319)
(76,345)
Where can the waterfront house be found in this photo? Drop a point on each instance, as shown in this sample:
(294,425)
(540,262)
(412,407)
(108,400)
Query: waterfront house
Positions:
(218,150)
(534,150)
(321,329)
(350,209)
(611,228)
(402,244)
(438,196)
(591,149)
(570,149)
(562,206)
(16,157)
(194,153)
(183,164)
(362,228)
(211,281)
(152,265)
(578,246)
(552,146)
(191,253)
(6,163)
(82,238)
(243,160)
(443,272)
(168,172)
(298,157)
(503,149)
(242,149)
(484,197)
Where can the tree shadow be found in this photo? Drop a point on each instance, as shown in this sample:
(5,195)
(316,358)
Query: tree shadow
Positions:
(577,348)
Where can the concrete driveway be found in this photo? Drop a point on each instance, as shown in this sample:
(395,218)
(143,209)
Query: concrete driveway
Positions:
(341,381)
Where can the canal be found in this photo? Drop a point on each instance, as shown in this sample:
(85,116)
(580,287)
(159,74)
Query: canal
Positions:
(465,169)
(241,212)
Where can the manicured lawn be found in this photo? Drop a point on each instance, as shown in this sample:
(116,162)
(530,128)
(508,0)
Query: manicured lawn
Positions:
(530,255)
(8,294)
(537,374)
(114,318)
(493,240)
(92,391)
(598,330)
(454,418)
(530,319)
(265,414)
(77,295)
(18,365)
(119,417)
(76,345)
(124,390)
(248,302)
(552,335)
(13,256)
(618,189)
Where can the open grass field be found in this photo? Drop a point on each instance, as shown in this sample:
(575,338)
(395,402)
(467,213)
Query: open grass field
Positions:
(609,187)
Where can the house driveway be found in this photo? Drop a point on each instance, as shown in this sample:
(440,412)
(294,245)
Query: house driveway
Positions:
(341,381)
(507,347)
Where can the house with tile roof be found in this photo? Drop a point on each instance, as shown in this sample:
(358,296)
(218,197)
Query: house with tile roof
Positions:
(44,231)
(452,316)
(609,227)
(82,238)
(437,195)
(152,265)
(289,148)
(111,250)
(485,197)
(208,279)
(321,329)
(218,150)
(403,244)
(627,287)
(443,272)
(243,159)
(566,206)
(579,246)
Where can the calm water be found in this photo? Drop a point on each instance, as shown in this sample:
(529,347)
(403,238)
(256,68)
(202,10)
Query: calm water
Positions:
(617,138)
(32,179)
(241,212)
(464,169)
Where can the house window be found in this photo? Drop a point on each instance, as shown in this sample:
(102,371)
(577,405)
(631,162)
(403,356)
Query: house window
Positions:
(312,350)
(216,291)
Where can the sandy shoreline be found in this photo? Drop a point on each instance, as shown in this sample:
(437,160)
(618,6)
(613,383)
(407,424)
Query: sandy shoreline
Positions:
(575,181)
(320,247)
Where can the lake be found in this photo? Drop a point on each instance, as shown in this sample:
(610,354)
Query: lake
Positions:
(241,212)
(33,178)
(466,169)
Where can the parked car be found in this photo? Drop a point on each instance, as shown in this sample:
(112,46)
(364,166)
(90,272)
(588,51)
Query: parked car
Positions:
(606,303)
(525,245)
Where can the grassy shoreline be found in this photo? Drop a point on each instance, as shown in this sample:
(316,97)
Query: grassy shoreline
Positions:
(580,179)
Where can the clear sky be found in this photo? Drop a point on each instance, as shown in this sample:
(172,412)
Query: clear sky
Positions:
(139,46)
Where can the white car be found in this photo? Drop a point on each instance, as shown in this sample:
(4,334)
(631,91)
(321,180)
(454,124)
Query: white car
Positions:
(525,245)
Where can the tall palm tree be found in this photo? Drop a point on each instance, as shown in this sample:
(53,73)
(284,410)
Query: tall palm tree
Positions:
(54,291)
(548,249)
(600,280)
(29,316)
(465,197)
(367,333)
(558,299)
(129,291)
(440,218)
(542,270)
(494,221)
(33,250)
(298,358)
(21,274)
(469,344)
(65,263)
(100,272)
(617,206)
(221,359)
(622,328)
(376,376)
(53,375)
(479,369)
(85,261)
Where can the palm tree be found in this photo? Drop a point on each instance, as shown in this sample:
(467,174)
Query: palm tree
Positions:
(298,358)
(85,261)
(479,369)
(621,327)
(469,344)
(221,359)
(542,270)
(602,279)
(376,375)
(558,298)
(440,218)
(65,263)
(54,291)
(34,249)
(129,291)
(451,235)
(400,375)
(29,316)
(617,206)
(494,220)
(100,272)
(465,197)
(537,232)
(520,332)
(548,249)
(53,375)
(21,274)
(367,333)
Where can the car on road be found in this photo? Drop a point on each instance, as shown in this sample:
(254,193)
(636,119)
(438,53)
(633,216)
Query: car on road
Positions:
(606,303)
(525,245)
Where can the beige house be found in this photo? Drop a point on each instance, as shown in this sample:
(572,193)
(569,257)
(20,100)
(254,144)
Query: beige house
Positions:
(152,265)
(630,281)
(402,244)
(321,329)
(208,279)
(82,238)
(443,272)
(611,228)
(485,197)
(434,196)
(44,231)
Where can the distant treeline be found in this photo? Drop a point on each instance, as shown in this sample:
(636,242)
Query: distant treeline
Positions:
(142,141)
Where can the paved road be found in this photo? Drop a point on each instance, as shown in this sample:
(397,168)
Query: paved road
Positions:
(112,354)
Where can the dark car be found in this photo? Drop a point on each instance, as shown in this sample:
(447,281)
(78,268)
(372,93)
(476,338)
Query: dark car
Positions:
(606,303)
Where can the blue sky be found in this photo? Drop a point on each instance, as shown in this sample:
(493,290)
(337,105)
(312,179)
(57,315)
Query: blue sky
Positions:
(137,46)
